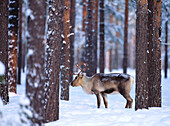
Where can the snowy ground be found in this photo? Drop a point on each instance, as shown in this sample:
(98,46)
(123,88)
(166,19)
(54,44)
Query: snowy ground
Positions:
(81,110)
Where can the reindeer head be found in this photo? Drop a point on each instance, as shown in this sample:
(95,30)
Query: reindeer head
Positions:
(78,79)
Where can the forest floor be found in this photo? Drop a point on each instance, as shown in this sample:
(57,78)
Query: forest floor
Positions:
(81,109)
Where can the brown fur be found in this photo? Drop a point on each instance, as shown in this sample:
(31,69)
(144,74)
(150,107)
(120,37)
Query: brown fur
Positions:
(103,84)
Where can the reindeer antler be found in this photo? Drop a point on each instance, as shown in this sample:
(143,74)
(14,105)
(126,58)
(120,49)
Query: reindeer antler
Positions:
(81,70)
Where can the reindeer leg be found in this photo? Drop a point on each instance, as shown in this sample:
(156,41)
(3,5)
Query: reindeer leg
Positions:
(105,100)
(98,100)
(128,98)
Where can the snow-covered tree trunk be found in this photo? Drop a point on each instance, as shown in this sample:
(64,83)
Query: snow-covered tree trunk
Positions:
(125,56)
(72,25)
(65,66)
(35,76)
(141,99)
(13,39)
(53,60)
(19,44)
(4,48)
(154,53)
(101,36)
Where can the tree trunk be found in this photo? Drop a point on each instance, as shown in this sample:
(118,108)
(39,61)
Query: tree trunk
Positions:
(35,76)
(117,44)
(110,60)
(95,35)
(65,67)
(72,24)
(20,44)
(125,56)
(53,61)
(13,39)
(4,47)
(101,36)
(141,99)
(116,55)
(84,14)
(89,46)
(154,53)
(166,49)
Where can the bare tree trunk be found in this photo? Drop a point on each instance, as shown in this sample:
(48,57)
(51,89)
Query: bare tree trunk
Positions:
(20,44)
(141,100)
(4,48)
(166,49)
(72,24)
(117,44)
(154,55)
(84,14)
(101,36)
(65,67)
(13,39)
(125,56)
(110,60)
(95,35)
(89,56)
(53,61)
(116,55)
(35,77)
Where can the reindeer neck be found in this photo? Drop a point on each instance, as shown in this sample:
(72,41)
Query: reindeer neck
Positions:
(86,84)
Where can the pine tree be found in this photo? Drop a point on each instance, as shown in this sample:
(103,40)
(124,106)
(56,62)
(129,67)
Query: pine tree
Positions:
(141,100)
(166,49)
(13,39)
(4,48)
(84,15)
(154,53)
(35,76)
(95,36)
(53,60)
(125,56)
(101,36)
(19,44)
(65,66)
(148,54)
(72,24)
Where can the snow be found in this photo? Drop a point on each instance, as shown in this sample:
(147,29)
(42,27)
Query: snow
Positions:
(82,110)
(2,68)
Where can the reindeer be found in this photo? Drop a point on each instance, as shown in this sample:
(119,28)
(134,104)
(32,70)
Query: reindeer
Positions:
(102,84)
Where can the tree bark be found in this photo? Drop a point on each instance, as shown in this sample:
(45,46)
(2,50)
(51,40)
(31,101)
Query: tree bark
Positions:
(35,76)
(95,35)
(53,61)
(65,67)
(141,99)
(13,39)
(20,44)
(125,56)
(72,24)
(154,55)
(101,36)
(89,45)
(166,49)
(4,48)
(84,14)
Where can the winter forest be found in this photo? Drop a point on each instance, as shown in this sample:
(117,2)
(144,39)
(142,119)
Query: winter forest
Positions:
(61,61)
